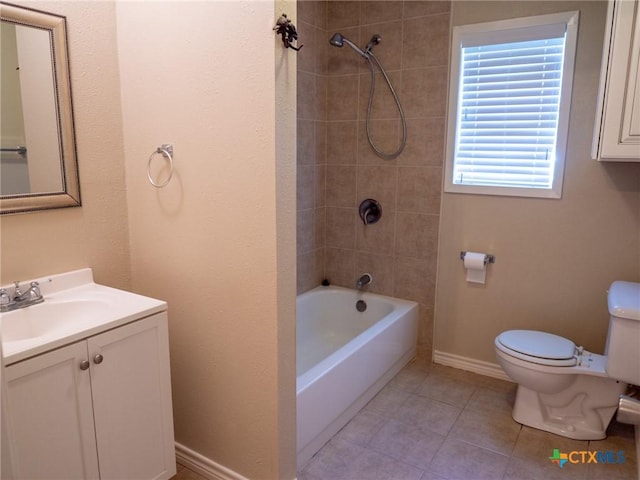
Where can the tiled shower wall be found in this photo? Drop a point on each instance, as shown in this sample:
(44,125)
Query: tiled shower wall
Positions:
(336,167)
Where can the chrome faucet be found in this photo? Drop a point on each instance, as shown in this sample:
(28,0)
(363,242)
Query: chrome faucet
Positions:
(20,299)
(365,279)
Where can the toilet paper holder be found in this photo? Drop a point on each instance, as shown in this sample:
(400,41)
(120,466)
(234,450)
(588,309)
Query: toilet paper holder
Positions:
(488,258)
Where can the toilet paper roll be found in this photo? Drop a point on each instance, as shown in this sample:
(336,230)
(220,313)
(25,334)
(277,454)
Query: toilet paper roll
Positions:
(475,266)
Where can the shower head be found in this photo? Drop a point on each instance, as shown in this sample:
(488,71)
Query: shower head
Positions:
(338,40)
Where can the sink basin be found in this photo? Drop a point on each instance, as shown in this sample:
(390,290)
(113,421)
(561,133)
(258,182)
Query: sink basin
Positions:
(45,318)
(74,308)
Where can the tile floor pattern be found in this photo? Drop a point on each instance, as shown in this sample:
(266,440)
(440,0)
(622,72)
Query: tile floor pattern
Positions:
(436,423)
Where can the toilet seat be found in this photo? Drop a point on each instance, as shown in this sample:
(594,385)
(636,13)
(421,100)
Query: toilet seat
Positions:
(538,347)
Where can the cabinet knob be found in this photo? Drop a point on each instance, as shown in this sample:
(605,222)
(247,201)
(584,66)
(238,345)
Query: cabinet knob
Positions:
(84,364)
(98,359)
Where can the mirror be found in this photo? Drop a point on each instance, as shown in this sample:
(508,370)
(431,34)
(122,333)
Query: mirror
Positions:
(38,164)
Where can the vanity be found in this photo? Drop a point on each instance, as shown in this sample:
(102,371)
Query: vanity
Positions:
(86,384)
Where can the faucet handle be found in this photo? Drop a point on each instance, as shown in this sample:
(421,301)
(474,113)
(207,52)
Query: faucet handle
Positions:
(4,297)
(34,290)
(17,292)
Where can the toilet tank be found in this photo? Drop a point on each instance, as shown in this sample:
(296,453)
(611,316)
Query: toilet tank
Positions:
(623,340)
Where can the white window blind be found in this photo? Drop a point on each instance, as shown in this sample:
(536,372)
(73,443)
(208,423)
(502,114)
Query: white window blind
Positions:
(509,108)
(510,97)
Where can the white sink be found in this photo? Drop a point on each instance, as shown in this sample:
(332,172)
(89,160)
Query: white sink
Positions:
(74,307)
(45,318)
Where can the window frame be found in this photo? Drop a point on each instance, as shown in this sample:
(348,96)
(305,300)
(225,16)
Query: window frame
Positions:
(498,32)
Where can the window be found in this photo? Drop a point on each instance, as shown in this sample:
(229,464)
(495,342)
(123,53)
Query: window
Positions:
(510,98)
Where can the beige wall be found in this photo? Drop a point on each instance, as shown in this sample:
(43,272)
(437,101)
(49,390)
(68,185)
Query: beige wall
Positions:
(555,259)
(337,168)
(95,235)
(218,242)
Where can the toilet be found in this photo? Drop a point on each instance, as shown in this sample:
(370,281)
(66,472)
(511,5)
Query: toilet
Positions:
(563,388)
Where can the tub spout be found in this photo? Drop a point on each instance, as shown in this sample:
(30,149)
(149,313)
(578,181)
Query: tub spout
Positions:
(365,279)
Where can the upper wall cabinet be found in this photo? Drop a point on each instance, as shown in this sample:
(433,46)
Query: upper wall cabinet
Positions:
(617,129)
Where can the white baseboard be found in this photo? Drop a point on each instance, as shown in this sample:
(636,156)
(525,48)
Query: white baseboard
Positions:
(637,431)
(204,466)
(470,364)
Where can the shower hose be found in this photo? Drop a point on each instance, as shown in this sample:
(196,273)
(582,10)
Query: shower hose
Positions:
(381,154)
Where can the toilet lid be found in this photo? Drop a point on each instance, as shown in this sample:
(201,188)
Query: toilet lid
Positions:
(544,347)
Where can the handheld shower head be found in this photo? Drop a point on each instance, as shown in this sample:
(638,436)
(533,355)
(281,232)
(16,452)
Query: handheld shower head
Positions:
(338,40)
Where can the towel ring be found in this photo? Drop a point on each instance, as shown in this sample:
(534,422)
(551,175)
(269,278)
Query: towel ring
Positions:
(166,150)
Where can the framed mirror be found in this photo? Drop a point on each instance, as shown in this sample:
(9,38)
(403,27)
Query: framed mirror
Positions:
(38,160)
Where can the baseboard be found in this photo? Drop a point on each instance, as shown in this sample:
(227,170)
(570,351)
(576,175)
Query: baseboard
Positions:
(204,466)
(470,364)
(637,435)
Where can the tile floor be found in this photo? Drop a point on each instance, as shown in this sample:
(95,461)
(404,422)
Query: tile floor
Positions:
(435,423)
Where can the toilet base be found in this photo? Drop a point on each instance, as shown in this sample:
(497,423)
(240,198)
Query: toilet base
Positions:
(578,413)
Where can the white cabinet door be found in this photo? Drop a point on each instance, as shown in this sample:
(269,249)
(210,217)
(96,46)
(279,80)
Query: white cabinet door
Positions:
(617,135)
(50,420)
(132,400)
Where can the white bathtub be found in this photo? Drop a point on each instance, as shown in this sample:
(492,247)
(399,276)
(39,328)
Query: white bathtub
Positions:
(344,357)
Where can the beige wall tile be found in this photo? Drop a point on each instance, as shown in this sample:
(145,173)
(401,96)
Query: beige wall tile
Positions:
(306,95)
(306,141)
(321,142)
(339,266)
(320,184)
(414,279)
(378,12)
(381,269)
(341,186)
(383,105)
(379,183)
(426,41)
(386,138)
(425,142)
(305,229)
(305,180)
(320,98)
(321,46)
(320,226)
(343,14)
(420,189)
(388,51)
(417,235)
(417,8)
(377,237)
(424,92)
(340,227)
(342,97)
(342,142)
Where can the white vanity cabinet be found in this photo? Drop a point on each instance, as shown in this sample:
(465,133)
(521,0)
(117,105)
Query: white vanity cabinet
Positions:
(617,130)
(97,408)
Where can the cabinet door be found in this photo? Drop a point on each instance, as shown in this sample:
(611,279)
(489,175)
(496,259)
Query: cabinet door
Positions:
(619,132)
(132,400)
(50,421)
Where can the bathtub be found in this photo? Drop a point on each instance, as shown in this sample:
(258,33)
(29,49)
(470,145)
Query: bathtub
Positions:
(344,357)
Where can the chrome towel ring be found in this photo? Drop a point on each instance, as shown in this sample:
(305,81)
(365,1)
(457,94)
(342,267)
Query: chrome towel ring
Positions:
(166,150)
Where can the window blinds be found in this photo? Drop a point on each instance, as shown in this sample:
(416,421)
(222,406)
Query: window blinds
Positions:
(508,109)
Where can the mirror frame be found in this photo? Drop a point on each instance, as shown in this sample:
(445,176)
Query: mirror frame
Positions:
(69,196)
